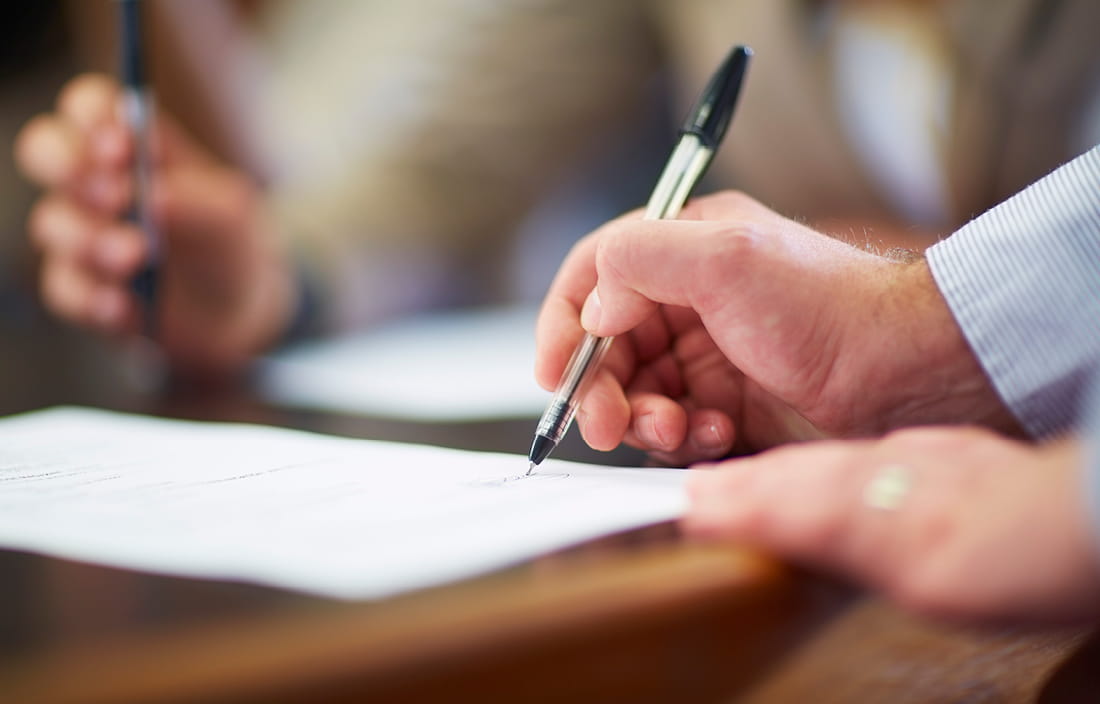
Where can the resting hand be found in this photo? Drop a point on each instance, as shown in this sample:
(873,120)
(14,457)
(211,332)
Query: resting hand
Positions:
(225,291)
(739,329)
(970,525)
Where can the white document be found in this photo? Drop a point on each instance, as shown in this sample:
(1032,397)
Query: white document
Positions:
(339,517)
(441,366)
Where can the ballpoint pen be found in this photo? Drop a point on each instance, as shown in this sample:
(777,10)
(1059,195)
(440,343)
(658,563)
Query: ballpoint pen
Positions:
(700,136)
(138,104)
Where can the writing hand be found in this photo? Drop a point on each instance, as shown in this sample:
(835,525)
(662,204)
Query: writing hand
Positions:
(738,329)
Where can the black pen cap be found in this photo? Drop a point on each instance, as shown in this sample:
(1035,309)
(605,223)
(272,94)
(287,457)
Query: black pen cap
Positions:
(710,117)
(130,42)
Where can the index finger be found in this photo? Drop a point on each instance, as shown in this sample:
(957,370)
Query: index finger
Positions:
(558,328)
(49,151)
(90,101)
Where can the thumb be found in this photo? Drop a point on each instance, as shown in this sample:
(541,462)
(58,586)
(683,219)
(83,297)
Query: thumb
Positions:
(205,204)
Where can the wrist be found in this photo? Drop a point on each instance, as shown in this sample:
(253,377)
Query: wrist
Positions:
(231,315)
(272,307)
(921,363)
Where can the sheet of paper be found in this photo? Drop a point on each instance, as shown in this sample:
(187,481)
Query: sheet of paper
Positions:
(442,366)
(339,517)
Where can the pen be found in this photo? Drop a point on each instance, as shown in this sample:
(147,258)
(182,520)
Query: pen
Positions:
(138,104)
(700,136)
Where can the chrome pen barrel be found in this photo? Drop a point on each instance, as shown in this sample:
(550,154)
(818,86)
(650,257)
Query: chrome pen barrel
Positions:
(685,166)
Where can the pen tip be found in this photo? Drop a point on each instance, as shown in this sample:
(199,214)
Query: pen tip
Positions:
(530,468)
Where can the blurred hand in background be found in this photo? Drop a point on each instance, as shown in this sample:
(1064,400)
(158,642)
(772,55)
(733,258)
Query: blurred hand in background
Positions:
(225,288)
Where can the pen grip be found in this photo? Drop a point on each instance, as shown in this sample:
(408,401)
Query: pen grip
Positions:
(576,379)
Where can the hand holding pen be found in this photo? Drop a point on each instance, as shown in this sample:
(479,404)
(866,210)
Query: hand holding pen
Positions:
(737,329)
(226,291)
(700,136)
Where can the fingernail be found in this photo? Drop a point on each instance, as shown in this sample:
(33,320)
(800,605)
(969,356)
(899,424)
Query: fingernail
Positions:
(707,439)
(592,312)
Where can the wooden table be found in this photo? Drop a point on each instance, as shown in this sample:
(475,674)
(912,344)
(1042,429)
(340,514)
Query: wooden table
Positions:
(637,617)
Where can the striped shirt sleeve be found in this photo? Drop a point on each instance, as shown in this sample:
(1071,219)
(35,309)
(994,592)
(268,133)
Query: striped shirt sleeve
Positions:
(1023,283)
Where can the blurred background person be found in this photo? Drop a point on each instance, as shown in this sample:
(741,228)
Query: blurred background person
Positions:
(449,152)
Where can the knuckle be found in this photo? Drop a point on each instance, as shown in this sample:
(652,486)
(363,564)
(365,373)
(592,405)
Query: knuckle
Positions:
(729,253)
(84,91)
(734,241)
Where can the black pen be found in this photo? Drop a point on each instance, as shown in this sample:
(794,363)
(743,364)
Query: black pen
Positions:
(138,101)
(700,136)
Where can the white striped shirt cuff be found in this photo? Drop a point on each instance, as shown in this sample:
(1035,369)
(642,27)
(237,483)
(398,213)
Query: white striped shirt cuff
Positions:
(1023,282)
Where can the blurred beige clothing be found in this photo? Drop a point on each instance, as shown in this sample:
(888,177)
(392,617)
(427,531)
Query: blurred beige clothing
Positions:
(433,127)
